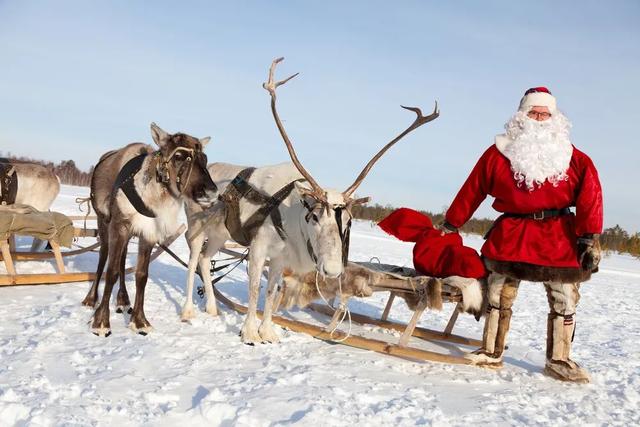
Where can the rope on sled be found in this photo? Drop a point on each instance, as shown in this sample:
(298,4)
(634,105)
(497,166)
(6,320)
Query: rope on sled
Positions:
(84,201)
(343,307)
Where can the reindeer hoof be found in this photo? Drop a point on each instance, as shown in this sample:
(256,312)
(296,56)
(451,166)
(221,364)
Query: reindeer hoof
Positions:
(250,344)
(101,332)
(122,308)
(212,310)
(141,330)
(188,313)
(88,303)
(250,336)
(268,335)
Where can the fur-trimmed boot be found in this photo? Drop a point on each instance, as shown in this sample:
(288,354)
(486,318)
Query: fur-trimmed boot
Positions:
(502,294)
(560,331)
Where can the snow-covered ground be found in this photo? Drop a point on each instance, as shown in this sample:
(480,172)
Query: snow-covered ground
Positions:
(53,371)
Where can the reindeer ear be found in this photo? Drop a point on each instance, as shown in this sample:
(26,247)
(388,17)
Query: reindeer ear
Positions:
(204,141)
(160,137)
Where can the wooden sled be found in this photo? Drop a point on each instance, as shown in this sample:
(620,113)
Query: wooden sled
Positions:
(405,282)
(13,278)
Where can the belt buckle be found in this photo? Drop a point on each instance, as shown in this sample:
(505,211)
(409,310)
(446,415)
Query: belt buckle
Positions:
(538,215)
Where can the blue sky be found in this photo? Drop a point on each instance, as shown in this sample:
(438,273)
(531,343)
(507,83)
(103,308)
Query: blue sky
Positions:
(78,78)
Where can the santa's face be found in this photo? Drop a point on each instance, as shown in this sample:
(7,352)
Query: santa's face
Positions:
(540,148)
(539,113)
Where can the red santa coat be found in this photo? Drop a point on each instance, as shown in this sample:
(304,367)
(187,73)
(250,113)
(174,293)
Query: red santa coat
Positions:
(550,242)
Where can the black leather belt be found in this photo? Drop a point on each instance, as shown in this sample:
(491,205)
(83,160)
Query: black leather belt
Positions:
(540,215)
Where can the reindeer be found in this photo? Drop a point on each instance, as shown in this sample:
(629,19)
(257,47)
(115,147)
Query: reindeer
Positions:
(137,191)
(24,183)
(279,212)
(27,184)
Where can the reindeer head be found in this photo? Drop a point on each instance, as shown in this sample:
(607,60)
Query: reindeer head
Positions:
(327,213)
(182,166)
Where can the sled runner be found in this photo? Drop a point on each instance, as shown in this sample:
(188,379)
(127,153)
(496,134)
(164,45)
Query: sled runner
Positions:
(401,282)
(58,230)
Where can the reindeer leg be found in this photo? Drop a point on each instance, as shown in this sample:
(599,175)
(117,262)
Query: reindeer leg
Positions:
(218,235)
(101,325)
(213,246)
(103,234)
(139,322)
(257,256)
(195,248)
(276,266)
(122,299)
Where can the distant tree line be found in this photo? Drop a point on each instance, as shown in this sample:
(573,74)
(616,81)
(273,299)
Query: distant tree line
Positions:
(66,170)
(611,239)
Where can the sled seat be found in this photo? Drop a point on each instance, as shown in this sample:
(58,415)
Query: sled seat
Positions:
(24,220)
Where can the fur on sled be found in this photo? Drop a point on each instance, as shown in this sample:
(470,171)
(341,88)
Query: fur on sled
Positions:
(300,290)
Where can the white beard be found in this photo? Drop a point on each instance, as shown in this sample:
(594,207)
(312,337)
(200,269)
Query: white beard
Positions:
(539,151)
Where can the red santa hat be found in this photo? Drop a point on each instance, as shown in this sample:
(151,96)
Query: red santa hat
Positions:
(538,97)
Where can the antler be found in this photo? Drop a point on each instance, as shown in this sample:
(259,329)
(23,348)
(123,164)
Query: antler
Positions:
(271,87)
(419,121)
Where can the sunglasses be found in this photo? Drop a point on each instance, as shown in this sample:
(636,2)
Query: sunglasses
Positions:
(538,115)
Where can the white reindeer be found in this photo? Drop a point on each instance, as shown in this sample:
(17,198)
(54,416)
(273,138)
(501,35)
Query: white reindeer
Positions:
(281,213)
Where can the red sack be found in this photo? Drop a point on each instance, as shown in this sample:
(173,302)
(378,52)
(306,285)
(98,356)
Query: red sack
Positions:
(433,254)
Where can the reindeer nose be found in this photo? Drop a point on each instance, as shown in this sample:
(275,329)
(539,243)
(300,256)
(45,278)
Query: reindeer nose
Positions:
(332,269)
(205,197)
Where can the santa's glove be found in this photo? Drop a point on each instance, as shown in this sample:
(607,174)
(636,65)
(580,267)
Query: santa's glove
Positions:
(446,228)
(589,252)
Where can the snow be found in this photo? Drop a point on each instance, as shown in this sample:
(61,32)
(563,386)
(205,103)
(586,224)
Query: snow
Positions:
(53,371)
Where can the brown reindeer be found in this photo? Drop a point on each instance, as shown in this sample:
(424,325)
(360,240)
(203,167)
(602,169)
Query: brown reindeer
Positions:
(136,191)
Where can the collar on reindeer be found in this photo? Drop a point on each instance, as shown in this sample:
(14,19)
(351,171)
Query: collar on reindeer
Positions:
(125,182)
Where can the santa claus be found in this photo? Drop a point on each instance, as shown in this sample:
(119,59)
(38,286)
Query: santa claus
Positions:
(535,175)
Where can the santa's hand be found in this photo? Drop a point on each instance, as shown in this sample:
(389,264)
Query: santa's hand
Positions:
(445,228)
(589,252)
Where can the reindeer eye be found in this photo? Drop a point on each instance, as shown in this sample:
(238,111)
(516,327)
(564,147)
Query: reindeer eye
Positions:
(315,217)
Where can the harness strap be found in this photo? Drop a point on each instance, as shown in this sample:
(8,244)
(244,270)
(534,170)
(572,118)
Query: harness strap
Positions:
(9,184)
(241,189)
(125,182)
(312,254)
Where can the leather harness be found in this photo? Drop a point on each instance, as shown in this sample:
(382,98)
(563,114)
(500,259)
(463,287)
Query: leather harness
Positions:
(9,184)
(241,189)
(125,182)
